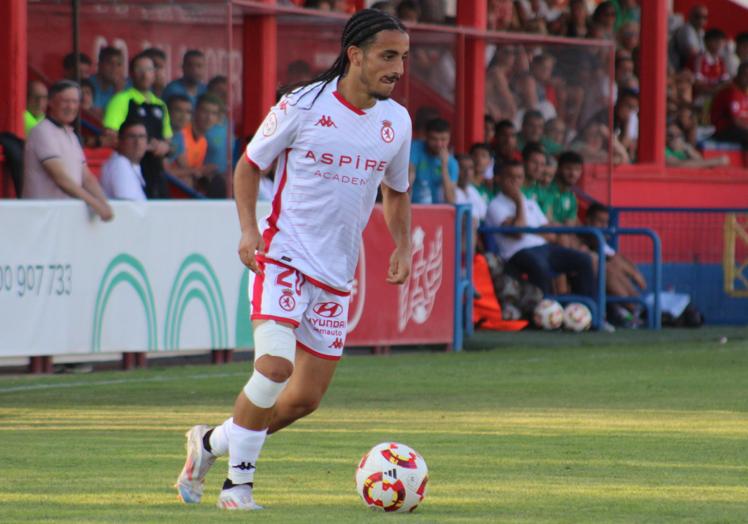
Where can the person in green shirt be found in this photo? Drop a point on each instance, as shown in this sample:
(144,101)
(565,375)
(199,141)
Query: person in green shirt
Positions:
(36,105)
(534,161)
(483,170)
(564,204)
(139,103)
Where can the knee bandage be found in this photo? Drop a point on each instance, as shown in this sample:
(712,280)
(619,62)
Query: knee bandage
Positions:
(278,341)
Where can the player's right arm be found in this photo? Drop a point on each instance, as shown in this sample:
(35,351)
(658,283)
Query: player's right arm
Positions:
(246,189)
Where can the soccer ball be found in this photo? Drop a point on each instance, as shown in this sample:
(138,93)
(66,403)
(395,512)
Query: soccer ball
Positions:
(548,314)
(577,317)
(392,477)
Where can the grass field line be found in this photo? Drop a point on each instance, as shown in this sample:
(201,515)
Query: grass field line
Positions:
(133,380)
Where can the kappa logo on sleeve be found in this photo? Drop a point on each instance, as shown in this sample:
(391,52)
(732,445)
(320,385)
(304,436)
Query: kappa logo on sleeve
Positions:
(270,125)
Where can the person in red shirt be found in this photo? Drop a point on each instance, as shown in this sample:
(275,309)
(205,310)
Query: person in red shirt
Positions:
(730,110)
(708,66)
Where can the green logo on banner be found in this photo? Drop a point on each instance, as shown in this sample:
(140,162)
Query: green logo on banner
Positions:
(196,280)
(124,269)
(243,323)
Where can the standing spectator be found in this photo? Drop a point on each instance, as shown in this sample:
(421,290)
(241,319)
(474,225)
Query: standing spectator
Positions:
(499,98)
(54,164)
(534,254)
(433,169)
(531,130)
(139,102)
(554,138)
(218,135)
(708,66)
(193,74)
(688,40)
(121,176)
(109,77)
(68,66)
(37,99)
(730,110)
(159,63)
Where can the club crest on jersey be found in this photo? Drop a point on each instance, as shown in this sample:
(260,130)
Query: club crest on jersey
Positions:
(325,121)
(269,125)
(387,132)
(286,300)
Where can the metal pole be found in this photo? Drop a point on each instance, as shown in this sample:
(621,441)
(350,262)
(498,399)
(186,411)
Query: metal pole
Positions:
(76,52)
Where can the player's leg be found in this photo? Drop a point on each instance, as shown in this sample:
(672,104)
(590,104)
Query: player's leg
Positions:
(311,378)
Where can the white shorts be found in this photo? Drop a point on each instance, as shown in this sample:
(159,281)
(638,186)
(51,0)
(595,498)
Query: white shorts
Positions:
(317,311)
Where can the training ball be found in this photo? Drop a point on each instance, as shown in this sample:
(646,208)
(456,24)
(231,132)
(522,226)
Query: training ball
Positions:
(392,477)
(577,317)
(548,314)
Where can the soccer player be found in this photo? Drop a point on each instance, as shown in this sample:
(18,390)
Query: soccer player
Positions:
(335,139)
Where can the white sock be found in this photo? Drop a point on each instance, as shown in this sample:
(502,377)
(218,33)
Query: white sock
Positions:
(219,438)
(244,450)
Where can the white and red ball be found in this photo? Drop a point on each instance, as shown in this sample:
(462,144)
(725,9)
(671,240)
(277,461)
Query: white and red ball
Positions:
(548,314)
(392,477)
(577,317)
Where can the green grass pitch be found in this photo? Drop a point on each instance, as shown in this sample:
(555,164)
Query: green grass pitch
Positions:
(630,427)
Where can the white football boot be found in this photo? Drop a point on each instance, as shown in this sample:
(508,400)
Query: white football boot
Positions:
(199,460)
(237,498)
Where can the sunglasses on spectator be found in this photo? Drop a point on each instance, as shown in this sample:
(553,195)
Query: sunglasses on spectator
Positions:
(139,136)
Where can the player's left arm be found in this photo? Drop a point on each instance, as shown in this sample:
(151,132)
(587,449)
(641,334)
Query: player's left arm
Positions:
(397,216)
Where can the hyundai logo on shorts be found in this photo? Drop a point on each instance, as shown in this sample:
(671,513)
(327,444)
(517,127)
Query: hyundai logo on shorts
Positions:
(328,309)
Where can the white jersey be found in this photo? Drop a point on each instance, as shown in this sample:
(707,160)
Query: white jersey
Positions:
(331,157)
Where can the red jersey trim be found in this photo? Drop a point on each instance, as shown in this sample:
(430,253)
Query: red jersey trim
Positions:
(316,353)
(311,280)
(347,104)
(251,162)
(260,316)
(272,228)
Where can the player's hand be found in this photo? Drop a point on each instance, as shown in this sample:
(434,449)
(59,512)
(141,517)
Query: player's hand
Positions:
(250,244)
(399,266)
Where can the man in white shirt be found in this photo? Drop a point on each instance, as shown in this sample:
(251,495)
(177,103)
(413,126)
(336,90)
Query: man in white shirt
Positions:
(335,139)
(121,176)
(534,254)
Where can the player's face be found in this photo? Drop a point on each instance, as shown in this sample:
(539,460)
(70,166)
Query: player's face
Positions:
(383,63)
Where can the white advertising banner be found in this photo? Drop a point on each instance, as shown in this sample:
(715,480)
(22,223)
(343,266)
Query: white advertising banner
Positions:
(161,276)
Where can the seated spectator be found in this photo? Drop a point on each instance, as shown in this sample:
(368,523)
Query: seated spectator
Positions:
(139,103)
(503,16)
(68,66)
(626,120)
(433,169)
(604,17)
(531,130)
(592,144)
(686,121)
(54,164)
(466,192)
(554,138)
(191,83)
(90,117)
(192,147)
(541,69)
(563,200)
(628,36)
(622,277)
(483,167)
(534,162)
(578,24)
(499,98)
(121,176)
(679,153)
(161,74)
(180,112)
(708,66)
(218,135)
(489,129)
(423,116)
(505,144)
(688,40)
(534,254)
(625,73)
(385,6)
(36,105)
(527,100)
(408,11)
(739,56)
(109,77)
(729,110)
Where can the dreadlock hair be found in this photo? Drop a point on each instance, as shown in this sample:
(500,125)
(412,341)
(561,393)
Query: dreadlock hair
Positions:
(359,31)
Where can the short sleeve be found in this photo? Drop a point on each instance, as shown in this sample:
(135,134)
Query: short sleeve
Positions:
(415,152)
(498,213)
(396,174)
(116,111)
(44,145)
(276,133)
(167,131)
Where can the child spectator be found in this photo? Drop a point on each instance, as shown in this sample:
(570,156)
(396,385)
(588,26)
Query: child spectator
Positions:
(534,162)
(708,66)
(433,170)
(626,120)
(679,153)
(483,168)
